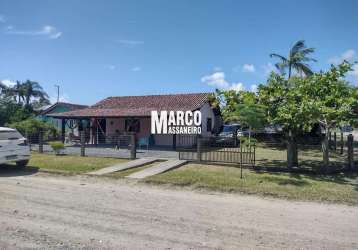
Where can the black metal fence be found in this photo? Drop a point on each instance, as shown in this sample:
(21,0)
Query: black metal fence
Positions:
(218,149)
(116,145)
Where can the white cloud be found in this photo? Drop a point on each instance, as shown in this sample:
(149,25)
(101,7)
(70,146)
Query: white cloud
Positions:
(237,86)
(46,31)
(248,68)
(8,83)
(135,69)
(130,43)
(347,55)
(253,88)
(217,80)
(268,68)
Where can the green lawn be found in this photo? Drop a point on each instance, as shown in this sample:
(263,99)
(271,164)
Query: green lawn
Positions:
(71,163)
(309,157)
(338,189)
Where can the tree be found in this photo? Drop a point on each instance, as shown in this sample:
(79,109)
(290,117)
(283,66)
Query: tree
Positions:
(33,89)
(297,59)
(228,100)
(251,115)
(329,100)
(284,108)
(299,103)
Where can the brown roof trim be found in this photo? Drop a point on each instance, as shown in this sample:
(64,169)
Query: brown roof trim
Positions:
(138,106)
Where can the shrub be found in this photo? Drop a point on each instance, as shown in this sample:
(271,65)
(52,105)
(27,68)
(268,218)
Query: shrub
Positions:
(245,141)
(32,127)
(57,146)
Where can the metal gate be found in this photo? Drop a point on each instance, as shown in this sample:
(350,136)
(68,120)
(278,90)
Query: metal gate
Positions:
(216,149)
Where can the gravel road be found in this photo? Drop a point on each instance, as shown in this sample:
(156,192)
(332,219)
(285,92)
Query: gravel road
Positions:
(46,211)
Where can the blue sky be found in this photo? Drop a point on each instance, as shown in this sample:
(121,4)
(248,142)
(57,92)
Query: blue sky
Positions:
(95,49)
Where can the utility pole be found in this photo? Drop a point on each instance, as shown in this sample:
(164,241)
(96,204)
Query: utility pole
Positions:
(58,92)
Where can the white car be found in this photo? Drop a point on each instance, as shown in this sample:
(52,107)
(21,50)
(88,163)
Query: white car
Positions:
(13,147)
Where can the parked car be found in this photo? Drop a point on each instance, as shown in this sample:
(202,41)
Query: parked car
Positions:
(13,147)
(227,134)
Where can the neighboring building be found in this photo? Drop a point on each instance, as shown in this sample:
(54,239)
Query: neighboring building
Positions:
(59,107)
(116,115)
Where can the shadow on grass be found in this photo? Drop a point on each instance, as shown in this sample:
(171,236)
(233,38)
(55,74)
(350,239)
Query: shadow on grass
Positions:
(297,178)
(281,181)
(8,170)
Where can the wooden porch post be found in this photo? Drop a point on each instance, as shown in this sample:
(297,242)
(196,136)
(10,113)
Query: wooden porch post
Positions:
(63,130)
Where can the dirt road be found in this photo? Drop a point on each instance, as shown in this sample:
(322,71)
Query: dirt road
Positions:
(58,212)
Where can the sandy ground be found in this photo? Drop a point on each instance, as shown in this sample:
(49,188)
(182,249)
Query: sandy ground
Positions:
(45,211)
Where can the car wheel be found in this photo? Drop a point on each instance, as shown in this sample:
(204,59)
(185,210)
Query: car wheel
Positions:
(22,164)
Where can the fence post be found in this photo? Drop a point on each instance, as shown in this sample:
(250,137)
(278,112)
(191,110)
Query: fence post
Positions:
(342,143)
(133,146)
(240,159)
(41,143)
(335,141)
(234,134)
(199,148)
(83,140)
(350,151)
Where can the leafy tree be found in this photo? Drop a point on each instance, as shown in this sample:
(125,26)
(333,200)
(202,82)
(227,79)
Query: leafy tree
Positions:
(228,100)
(297,59)
(31,89)
(10,111)
(329,100)
(251,115)
(299,103)
(32,127)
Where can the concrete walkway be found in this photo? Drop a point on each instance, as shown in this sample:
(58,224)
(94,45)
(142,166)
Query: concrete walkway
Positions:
(124,166)
(157,169)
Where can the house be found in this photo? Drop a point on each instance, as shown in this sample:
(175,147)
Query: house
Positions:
(117,115)
(44,113)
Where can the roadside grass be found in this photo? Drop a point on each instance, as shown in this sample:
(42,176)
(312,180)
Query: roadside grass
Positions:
(341,188)
(124,173)
(70,163)
(310,157)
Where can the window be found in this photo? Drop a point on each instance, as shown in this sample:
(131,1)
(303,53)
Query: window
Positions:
(209,124)
(10,135)
(132,125)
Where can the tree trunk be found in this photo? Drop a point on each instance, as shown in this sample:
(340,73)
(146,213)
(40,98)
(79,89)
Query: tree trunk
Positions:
(325,150)
(290,151)
(295,152)
(249,135)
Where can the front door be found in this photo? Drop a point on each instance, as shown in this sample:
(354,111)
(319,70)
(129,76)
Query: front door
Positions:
(101,131)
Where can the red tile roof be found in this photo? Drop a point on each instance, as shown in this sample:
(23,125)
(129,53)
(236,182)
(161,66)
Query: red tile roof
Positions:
(138,105)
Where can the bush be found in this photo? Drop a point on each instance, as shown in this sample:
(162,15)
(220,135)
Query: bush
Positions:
(32,127)
(245,141)
(57,146)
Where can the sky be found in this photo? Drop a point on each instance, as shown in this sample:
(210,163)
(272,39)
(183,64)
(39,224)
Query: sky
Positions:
(96,49)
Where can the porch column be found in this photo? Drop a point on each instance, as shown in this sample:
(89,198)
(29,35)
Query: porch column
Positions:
(63,130)
(174,142)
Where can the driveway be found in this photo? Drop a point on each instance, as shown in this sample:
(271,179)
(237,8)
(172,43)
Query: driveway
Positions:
(79,212)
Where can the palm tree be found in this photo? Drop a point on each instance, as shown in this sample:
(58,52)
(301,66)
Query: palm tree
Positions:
(33,89)
(297,59)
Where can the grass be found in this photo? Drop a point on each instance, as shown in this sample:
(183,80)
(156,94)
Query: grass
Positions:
(337,189)
(70,163)
(310,157)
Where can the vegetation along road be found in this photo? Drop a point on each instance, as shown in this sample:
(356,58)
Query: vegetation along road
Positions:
(79,212)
